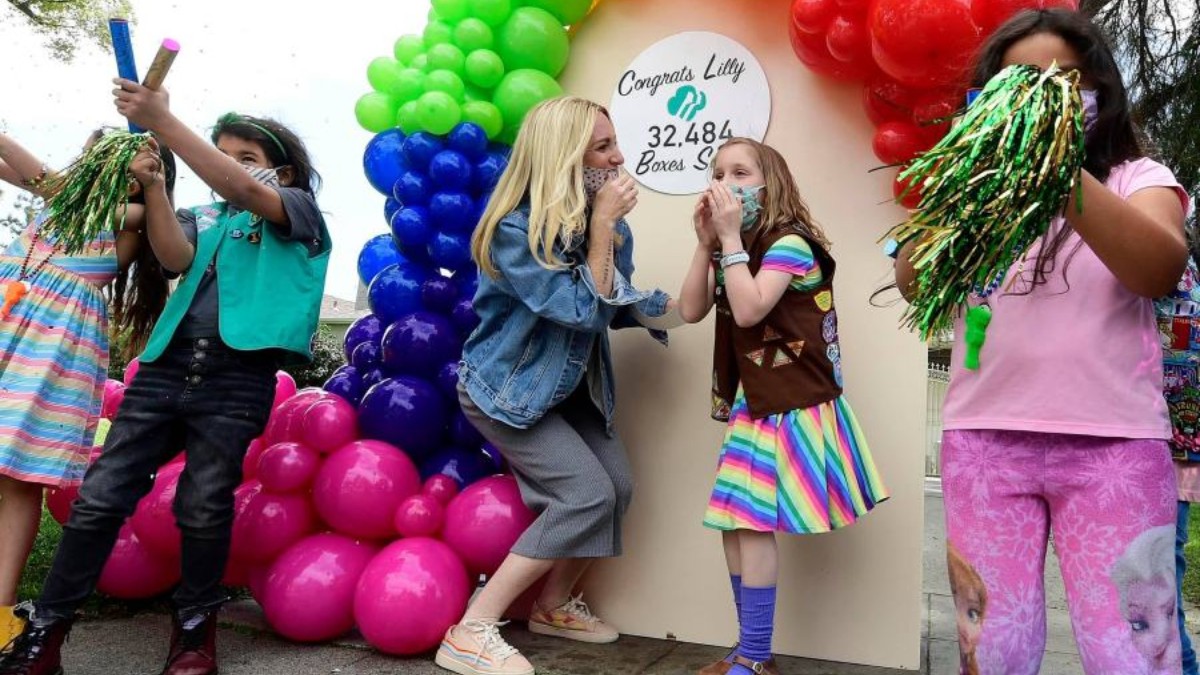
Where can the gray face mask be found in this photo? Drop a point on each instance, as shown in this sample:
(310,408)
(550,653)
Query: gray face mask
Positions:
(268,177)
(594,179)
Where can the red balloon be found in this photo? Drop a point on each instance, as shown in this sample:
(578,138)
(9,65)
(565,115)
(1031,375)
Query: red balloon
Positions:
(855,8)
(923,43)
(812,51)
(813,16)
(848,40)
(990,14)
(899,142)
(886,100)
(907,198)
(59,501)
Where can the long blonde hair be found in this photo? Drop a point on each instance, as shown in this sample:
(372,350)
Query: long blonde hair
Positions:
(782,205)
(546,168)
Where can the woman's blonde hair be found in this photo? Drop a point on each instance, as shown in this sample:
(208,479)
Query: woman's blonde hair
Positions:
(545,169)
(782,205)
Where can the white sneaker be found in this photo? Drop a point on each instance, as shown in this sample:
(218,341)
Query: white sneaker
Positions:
(573,621)
(477,648)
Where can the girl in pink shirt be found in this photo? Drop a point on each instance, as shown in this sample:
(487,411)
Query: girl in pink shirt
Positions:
(1063,427)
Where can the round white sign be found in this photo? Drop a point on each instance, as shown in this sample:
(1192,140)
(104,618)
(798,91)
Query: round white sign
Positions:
(680,100)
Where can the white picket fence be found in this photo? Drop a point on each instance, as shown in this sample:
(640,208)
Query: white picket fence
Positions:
(939,379)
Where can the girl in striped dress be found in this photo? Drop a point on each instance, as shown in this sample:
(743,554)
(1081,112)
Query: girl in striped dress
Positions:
(54,354)
(794,458)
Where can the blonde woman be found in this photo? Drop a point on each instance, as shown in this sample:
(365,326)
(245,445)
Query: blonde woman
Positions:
(556,257)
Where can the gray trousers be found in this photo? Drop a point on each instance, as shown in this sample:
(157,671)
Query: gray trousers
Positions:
(572,474)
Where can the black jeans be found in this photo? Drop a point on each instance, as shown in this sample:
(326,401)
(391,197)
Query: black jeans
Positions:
(200,395)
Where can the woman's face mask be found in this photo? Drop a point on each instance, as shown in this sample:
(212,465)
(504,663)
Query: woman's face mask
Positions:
(751,207)
(594,179)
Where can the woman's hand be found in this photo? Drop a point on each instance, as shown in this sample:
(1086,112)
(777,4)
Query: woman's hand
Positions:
(145,107)
(147,166)
(702,222)
(614,201)
(726,211)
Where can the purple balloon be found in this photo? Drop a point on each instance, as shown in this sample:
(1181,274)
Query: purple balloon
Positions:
(412,226)
(464,466)
(467,280)
(407,412)
(347,383)
(411,189)
(372,378)
(449,251)
(469,139)
(497,459)
(366,329)
(464,317)
(463,433)
(439,294)
(420,148)
(419,343)
(453,212)
(447,380)
(396,291)
(488,171)
(367,356)
(450,170)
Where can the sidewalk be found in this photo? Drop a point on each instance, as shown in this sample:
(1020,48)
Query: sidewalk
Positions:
(137,645)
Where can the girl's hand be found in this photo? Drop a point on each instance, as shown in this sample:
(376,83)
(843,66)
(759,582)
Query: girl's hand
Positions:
(726,212)
(147,108)
(147,166)
(702,222)
(615,200)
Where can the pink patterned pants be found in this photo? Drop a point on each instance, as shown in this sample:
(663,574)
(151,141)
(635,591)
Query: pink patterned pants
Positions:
(1110,504)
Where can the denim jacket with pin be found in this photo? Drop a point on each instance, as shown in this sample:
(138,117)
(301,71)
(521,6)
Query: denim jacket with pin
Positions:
(538,326)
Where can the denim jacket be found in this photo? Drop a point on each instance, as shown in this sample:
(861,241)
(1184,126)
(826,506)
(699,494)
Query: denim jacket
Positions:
(538,327)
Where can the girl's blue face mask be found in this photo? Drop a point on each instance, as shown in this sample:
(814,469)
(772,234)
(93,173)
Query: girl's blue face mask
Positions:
(751,207)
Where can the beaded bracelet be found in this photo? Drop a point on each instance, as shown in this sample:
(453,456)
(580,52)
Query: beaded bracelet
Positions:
(735,258)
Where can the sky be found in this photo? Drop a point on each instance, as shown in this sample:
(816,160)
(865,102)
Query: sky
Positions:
(245,56)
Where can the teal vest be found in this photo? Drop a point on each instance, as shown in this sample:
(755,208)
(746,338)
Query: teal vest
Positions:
(269,289)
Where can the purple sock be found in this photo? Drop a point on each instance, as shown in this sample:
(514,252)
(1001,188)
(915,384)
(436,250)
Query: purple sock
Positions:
(735,580)
(758,623)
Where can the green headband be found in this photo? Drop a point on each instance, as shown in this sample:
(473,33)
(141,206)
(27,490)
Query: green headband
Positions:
(231,118)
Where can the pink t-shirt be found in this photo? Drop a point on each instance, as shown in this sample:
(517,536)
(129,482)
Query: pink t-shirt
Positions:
(1081,357)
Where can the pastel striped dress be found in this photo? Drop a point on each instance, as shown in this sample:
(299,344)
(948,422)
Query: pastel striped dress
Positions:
(803,471)
(53,359)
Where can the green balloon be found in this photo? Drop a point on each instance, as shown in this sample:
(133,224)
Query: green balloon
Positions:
(520,90)
(451,11)
(509,135)
(474,93)
(446,57)
(471,34)
(486,115)
(533,38)
(447,82)
(569,12)
(484,68)
(375,112)
(438,32)
(409,85)
(438,112)
(383,73)
(407,118)
(420,62)
(491,12)
(407,48)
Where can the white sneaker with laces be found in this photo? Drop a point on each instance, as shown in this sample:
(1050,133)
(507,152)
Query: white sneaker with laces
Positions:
(573,621)
(476,647)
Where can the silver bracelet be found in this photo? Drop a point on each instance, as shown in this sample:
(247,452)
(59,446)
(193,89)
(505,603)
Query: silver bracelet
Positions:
(735,258)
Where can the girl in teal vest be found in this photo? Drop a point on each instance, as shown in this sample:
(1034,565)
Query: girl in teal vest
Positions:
(253,271)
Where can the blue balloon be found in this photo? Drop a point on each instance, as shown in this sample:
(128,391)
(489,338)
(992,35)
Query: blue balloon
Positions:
(412,226)
(470,139)
(419,150)
(463,317)
(450,251)
(450,171)
(487,173)
(407,412)
(379,252)
(372,378)
(396,291)
(383,161)
(497,459)
(447,380)
(453,212)
(438,295)
(419,256)
(467,280)
(347,383)
(367,356)
(411,189)
(419,344)
(464,466)
(463,433)
(390,207)
(500,149)
(366,329)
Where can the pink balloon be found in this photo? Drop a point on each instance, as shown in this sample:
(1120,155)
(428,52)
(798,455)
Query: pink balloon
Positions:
(154,520)
(179,459)
(484,522)
(237,573)
(256,581)
(131,369)
(288,467)
(59,501)
(268,524)
(114,393)
(409,595)
(420,516)
(309,591)
(442,488)
(243,494)
(133,571)
(360,486)
(286,420)
(329,424)
(285,388)
(250,462)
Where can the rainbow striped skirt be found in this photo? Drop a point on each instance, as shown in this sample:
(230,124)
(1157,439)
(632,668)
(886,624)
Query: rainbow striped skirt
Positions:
(803,471)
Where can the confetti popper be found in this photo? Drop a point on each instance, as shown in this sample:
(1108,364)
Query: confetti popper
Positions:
(990,188)
(123,51)
(161,64)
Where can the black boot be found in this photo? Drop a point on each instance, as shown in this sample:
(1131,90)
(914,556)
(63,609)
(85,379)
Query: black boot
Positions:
(38,649)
